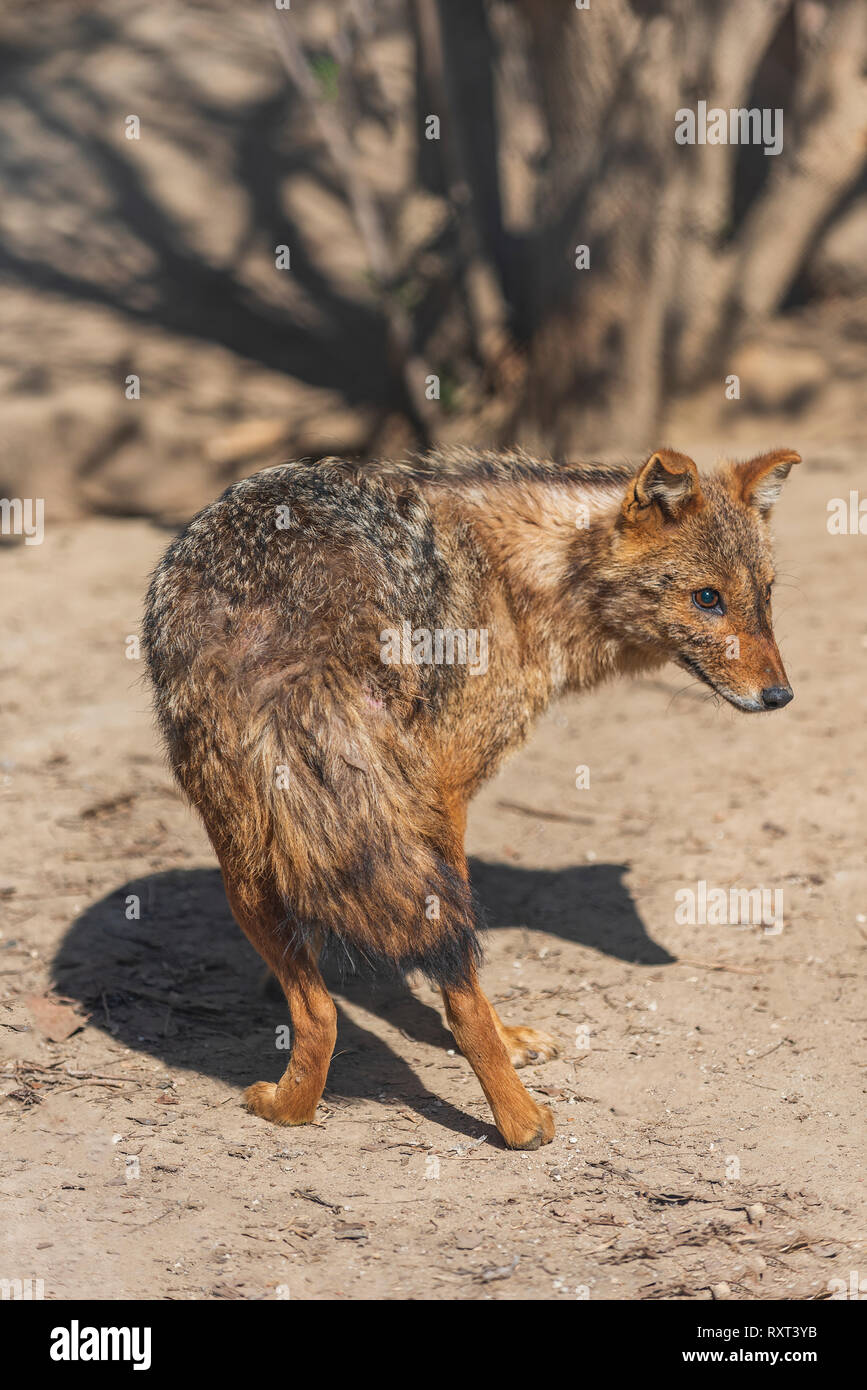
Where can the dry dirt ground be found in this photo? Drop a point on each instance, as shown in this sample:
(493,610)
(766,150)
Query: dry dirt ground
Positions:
(709,1098)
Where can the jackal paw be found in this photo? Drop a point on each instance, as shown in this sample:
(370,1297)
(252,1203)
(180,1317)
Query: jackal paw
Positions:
(263,1100)
(531,1130)
(527,1047)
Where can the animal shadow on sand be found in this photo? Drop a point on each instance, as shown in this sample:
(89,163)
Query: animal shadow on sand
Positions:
(181,983)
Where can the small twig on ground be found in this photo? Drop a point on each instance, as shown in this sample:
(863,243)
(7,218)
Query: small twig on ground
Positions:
(748,1062)
(546,815)
(719,965)
(310,1196)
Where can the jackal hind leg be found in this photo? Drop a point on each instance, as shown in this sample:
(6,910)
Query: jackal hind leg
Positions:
(293,1099)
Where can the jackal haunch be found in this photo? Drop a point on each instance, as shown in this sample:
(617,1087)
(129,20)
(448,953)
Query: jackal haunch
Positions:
(334,784)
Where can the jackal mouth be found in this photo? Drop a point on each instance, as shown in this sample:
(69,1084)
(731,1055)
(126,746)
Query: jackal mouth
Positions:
(749,704)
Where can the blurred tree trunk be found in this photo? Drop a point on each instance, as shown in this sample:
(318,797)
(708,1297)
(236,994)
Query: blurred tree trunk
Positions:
(610,184)
(674,275)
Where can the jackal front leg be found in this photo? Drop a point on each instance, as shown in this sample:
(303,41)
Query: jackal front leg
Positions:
(523,1123)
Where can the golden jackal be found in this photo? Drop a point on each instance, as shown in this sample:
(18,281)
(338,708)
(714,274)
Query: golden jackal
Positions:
(342,654)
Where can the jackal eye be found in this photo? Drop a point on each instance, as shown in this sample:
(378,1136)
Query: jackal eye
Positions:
(707,599)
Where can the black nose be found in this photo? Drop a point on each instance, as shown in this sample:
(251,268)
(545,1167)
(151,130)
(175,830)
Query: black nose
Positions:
(776,696)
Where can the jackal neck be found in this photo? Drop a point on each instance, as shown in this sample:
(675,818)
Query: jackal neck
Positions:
(549,543)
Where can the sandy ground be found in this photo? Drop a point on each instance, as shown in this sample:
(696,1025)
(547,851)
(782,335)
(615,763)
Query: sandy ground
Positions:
(709,1098)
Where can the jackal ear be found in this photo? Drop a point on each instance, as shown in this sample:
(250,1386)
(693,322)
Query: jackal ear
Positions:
(759,481)
(665,487)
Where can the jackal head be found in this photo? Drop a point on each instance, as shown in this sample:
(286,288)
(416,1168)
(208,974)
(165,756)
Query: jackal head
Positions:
(696,572)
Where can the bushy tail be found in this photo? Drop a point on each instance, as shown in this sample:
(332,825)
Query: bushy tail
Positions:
(314,793)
